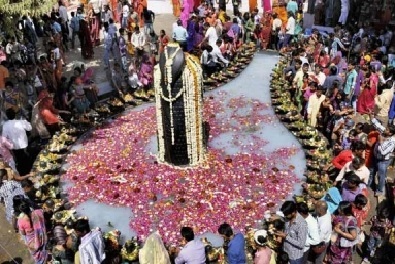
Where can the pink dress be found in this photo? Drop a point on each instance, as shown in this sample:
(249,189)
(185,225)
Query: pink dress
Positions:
(263,256)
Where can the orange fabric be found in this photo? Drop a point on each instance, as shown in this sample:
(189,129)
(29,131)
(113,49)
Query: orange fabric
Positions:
(4,74)
(252,5)
(176,8)
(340,160)
(281,13)
(48,112)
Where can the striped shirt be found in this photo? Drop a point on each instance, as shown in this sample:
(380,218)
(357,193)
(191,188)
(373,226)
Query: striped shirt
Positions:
(384,150)
(296,237)
(7,192)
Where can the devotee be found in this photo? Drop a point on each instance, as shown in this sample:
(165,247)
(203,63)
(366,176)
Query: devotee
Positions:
(193,250)
(15,131)
(31,226)
(360,210)
(380,228)
(149,17)
(249,27)
(357,165)
(313,236)
(123,49)
(295,234)
(325,230)
(75,27)
(217,56)
(352,187)
(91,249)
(163,40)
(125,14)
(292,6)
(180,35)
(9,188)
(313,107)
(210,35)
(154,251)
(345,226)
(276,28)
(235,252)
(138,41)
(383,103)
(382,153)
(264,254)
(290,29)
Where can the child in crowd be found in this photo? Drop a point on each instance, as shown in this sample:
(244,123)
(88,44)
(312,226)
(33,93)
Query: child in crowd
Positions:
(264,254)
(381,226)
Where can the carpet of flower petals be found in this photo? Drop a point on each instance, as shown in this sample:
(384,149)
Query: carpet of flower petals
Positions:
(114,167)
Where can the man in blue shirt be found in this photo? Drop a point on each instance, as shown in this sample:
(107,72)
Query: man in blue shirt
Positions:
(349,84)
(235,251)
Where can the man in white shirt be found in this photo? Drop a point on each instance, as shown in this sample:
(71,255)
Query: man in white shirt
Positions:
(217,56)
(325,228)
(357,165)
(91,249)
(290,29)
(318,74)
(180,35)
(193,251)
(138,41)
(15,131)
(125,14)
(313,236)
(211,35)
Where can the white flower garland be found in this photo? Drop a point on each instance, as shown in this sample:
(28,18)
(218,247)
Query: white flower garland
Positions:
(193,106)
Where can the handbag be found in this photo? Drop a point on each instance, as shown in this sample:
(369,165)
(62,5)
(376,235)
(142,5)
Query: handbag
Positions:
(318,249)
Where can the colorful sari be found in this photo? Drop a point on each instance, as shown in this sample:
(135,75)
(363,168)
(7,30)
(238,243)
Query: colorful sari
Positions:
(36,236)
(146,74)
(338,254)
(266,30)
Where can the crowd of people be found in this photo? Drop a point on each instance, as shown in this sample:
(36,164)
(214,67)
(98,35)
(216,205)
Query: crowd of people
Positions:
(334,80)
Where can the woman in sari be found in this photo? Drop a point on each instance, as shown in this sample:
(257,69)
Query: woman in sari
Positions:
(365,103)
(266,30)
(146,75)
(154,251)
(176,8)
(191,28)
(32,227)
(345,226)
(139,7)
(85,40)
(47,74)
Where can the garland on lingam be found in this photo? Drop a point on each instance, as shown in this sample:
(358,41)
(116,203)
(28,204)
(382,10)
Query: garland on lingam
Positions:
(193,105)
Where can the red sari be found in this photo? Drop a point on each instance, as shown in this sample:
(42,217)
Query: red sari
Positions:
(365,103)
